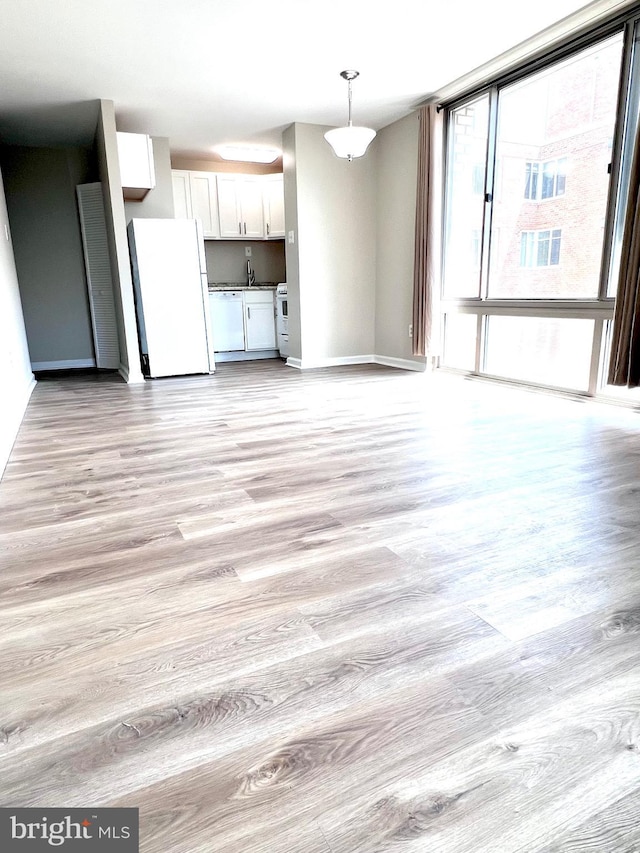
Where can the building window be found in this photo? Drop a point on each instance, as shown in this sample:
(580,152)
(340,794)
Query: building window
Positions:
(545,180)
(478,179)
(531,180)
(540,248)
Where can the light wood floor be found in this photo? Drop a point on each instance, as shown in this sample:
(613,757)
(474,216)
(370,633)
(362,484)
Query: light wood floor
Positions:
(344,611)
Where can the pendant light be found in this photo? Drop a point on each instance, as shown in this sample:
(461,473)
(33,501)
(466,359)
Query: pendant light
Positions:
(350,141)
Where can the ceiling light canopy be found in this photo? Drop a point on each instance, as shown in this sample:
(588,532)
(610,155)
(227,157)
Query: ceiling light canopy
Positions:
(248,153)
(350,141)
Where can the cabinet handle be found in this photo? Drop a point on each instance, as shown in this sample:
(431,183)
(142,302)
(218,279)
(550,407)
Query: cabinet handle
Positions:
(267,229)
(248,312)
(245,227)
(240,228)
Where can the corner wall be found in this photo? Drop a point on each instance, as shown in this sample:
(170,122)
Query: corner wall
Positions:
(109,169)
(397,151)
(16,378)
(158,202)
(334,212)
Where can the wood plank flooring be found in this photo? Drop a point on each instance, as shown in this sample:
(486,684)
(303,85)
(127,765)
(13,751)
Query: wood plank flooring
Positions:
(341,611)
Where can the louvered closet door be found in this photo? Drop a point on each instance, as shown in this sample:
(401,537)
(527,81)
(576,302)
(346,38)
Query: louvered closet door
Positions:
(99,282)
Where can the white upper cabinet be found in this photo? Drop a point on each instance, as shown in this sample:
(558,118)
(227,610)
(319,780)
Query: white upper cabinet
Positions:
(195,196)
(204,202)
(240,205)
(273,195)
(181,194)
(229,209)
(251,205)
(137,173)
(231,206)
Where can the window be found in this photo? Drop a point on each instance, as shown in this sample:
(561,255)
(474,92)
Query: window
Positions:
(554,179)
(540,248)
(525,261)
(532,171)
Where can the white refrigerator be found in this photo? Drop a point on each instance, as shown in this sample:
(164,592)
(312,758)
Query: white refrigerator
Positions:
(171,296)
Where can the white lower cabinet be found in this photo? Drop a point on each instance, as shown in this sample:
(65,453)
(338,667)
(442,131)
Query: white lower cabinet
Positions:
(242,320)
(259,319)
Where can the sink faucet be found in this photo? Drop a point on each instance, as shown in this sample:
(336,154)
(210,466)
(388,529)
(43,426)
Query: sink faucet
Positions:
(251,276)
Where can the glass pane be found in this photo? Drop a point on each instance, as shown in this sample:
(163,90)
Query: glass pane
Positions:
(553,150)
(468,131)
(546,350)
(460,332)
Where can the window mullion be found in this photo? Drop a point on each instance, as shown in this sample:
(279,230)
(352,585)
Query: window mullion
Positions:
(489,183)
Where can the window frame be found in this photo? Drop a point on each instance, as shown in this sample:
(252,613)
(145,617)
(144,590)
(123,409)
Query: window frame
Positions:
(599,308)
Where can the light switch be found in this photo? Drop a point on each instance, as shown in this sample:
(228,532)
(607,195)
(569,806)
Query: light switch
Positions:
(292,238)
(247,251)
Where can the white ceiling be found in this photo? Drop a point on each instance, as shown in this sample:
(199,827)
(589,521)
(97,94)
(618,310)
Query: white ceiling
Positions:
(202,72)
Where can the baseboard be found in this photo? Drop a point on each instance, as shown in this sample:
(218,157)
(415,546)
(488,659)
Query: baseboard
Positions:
(240,355)
(386,361)
(131,379)
(340,361)
(64,364)
(401,363)
(11,425)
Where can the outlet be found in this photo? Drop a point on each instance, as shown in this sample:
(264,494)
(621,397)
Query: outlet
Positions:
(410,330)
(292,237)
(247,251)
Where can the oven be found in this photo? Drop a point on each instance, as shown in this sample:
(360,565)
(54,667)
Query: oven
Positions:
(282,319)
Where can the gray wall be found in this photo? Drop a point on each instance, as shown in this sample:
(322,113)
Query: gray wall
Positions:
(158,202)
(226,260)
(16,379)
(40,188)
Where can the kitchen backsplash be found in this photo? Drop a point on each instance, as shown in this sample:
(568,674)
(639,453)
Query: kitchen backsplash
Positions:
(226,260)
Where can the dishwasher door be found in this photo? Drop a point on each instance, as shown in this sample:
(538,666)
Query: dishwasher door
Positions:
(227,320)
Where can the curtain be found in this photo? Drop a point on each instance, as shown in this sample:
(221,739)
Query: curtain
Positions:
(428,234)
(624,365)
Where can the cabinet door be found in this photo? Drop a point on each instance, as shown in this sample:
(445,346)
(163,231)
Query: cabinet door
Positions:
(204,202)
(181,194)
(227,321)
(260,327)
(273,189)
(228,206)
(135,154)
(250,195)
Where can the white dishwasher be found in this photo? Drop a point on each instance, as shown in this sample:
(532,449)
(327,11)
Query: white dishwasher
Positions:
(227,320)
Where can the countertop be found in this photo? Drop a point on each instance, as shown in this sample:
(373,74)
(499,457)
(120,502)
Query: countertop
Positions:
(237,285)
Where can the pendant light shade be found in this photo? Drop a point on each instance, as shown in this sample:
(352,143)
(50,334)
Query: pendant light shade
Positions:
(350,141)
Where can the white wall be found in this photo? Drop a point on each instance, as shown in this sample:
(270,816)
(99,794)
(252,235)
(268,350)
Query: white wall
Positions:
(397,171)
(335,203)
(16,379)
(109,169)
